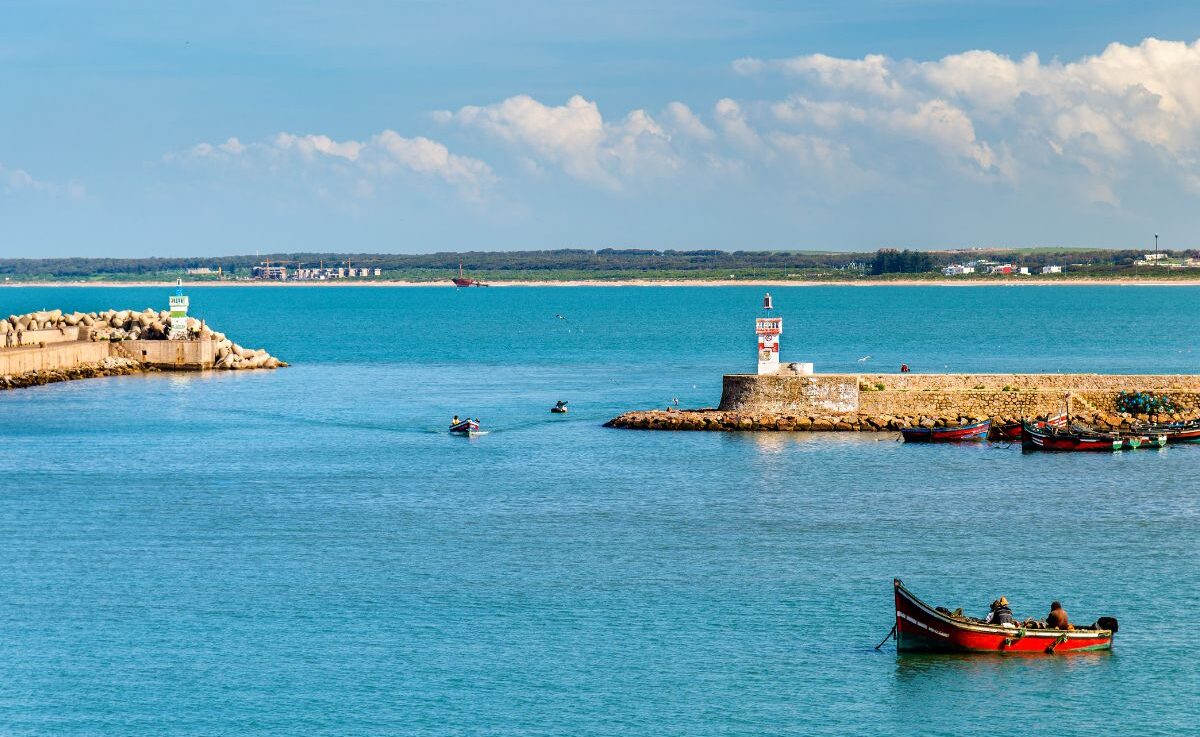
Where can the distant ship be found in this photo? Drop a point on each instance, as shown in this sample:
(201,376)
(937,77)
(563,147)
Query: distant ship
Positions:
(463,281)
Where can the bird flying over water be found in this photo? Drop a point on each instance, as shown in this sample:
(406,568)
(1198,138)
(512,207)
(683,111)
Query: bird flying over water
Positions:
(864,359)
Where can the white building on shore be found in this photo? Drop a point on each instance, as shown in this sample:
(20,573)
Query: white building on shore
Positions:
(1051,269)
(957,270)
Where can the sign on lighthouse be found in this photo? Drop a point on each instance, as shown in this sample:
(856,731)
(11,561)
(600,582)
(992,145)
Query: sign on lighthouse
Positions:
(768,329)
(179,308)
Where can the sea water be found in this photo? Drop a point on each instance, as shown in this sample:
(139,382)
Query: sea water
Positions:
(307,551)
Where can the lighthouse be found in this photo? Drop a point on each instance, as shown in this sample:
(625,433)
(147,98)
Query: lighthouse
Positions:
(179,308)
(768,330)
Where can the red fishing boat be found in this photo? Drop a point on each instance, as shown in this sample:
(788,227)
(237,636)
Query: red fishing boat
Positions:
(1132,440)
(1056,439)
(1012,430)
(922,628)
(950,434)
(463,280)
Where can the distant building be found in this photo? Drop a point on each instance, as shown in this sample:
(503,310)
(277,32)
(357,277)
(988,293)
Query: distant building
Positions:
(1023,270)
(269,273)
(1001,269)
(957,270)
(1153,256)
(1052,269)
(200,270)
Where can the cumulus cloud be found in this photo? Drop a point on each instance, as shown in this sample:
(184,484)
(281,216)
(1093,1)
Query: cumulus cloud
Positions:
(685,122)
(975,118)
(383,154)
(1107,114)
(13,181)
(575,137)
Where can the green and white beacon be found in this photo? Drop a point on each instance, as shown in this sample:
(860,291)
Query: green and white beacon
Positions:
(179,308)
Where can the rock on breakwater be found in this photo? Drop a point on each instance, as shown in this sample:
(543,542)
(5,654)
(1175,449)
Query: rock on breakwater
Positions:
(730,421)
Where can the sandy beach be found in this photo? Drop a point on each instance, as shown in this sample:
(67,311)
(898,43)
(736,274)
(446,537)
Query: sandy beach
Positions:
(1026,282)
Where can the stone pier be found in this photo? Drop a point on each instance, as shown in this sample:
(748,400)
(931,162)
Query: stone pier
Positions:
(41,347)
(881,402)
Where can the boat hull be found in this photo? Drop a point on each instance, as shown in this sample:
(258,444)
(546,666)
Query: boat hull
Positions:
(921,628)
(1174,434)
(958,434)
(1038,439)
(1012,430)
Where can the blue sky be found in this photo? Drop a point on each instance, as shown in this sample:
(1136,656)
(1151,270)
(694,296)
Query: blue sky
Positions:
(151,128)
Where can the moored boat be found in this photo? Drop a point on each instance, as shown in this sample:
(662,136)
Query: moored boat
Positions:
(559,408)
(950,434)
(922,628)
(1174,432)
(1055,439)
(1131,440)
(1012,430)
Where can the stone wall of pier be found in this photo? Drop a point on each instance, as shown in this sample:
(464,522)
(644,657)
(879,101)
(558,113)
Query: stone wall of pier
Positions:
(52,356)
(940,395)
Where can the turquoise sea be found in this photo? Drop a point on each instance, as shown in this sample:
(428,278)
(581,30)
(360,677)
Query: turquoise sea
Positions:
(307,552)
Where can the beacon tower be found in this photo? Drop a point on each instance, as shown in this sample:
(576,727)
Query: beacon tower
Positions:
(769,329)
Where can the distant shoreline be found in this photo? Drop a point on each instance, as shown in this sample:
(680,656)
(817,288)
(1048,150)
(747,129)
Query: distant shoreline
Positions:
(1026,282)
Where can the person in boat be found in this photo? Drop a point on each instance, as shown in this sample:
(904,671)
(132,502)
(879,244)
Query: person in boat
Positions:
(454,421)
(904,368)
(1000,613)
(1057,618)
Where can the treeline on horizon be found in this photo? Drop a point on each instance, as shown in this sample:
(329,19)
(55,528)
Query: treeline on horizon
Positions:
(883,261)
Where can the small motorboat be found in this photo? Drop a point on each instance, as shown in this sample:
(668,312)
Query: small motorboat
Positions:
(948,434)
(922,628)
(559,408)
(1058,439)
(467,427)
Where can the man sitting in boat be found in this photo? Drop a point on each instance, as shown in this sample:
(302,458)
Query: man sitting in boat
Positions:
(1057,618)
(1000,613)
(454,421)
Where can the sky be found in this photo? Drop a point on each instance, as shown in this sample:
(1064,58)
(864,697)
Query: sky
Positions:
(133,129)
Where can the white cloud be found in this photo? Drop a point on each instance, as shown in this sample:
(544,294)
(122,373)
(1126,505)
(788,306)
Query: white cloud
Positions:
(685,122)
(871,74)
(1108,114)
(731,119)
(14,181)
(574,137)
(383,154)
(972,119)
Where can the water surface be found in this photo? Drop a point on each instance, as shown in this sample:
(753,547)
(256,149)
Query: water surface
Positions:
(306,551)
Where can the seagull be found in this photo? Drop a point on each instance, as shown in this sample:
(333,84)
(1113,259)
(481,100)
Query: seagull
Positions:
(560,317)
(864,359)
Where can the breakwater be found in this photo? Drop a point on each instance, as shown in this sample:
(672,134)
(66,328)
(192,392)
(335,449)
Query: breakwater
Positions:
(41,347)
(883,402)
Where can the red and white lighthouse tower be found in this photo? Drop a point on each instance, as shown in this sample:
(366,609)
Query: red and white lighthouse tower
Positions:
(768,329)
